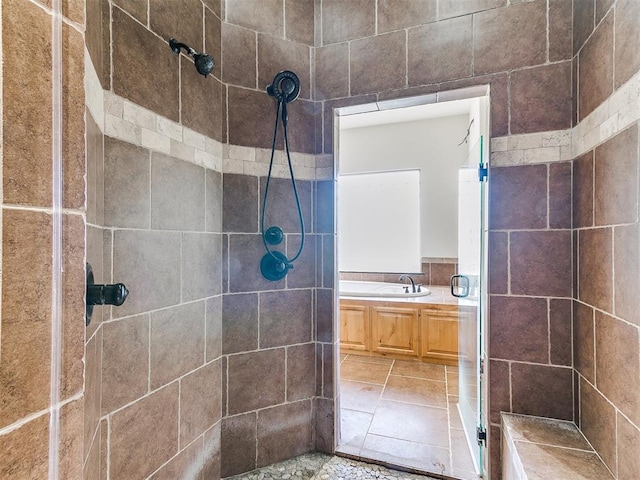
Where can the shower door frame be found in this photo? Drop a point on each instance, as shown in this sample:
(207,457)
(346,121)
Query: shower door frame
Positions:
(440,97)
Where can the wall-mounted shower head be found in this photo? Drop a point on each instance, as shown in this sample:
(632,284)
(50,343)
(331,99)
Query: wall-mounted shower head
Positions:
(285,87)
(204,63)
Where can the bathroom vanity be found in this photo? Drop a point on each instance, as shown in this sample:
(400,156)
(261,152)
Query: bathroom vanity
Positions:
(424,328)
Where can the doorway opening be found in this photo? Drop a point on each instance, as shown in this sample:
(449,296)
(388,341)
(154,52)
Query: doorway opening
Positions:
(411,299)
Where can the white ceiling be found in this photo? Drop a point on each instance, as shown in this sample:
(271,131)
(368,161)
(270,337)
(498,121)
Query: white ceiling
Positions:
(378,114)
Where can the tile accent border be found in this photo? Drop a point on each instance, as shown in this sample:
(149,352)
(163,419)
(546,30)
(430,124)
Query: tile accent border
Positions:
(119,118)
(615,114)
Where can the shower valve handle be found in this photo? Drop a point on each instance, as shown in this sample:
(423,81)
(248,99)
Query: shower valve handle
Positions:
(114,294)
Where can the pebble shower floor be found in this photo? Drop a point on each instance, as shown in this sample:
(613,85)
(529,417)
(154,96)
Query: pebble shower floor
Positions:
(317,466)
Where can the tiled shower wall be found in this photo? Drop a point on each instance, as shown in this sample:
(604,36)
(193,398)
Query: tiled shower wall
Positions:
(606,323)
(27,244)
(157,224)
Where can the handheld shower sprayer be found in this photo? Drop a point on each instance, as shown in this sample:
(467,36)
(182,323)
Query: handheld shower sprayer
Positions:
(204,63)
(275,265)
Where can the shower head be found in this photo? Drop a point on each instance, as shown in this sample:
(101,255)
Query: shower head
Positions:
(285,87)
(204,63)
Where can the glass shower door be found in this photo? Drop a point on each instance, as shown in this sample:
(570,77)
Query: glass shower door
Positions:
(469,287)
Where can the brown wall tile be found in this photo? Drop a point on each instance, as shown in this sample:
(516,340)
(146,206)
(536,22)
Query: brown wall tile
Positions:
(347,20)
(626,254)
(304,273)
(543,391)
(617,373)
(560,332)
(394,15)
(331,71)
(324,428)
(627,41)
(95,172)
(281,204)
(248,110)
(541,263)
(213,38)
(276,55)
(583,191)
(509,38)
(519,329)
(324,315)
(238,444)
(70,441)
(201,101)
(125,362)
(238,193)
(324,207)
(25,450)
(583,23)
(201,265)
(441,273)
(126,185)
(145,70)
(595,75)
(188,460)
(500,390)
(145,434)
(541,98)
(616,179)
(284,432)
(301,371)
(299,21)
(73,117)
(239,323)
(26,118)
(177,194)
(305,115)
(595,267)
(560,30)
(200,401)
(213,207)
(26,317)
(153,283)
(93,36)
(177,342)
(92,392)
(560,184)
(238,63)
(136,9)
(180,19)
(263,372)
(628,439)
(498,262)
(440,51)
(260,15)
(455,8)
(598,423)
(212,442)
(285,318)
(387,75)
(584,341)
(213,319)
(518,197)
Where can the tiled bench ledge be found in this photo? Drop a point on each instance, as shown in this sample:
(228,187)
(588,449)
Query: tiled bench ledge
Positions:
(536,448)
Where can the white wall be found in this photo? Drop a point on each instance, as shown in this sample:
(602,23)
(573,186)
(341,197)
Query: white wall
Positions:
(429,145)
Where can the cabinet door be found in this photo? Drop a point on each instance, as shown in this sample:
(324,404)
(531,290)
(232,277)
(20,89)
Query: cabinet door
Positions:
(440,336)
(354,327)
(395,330)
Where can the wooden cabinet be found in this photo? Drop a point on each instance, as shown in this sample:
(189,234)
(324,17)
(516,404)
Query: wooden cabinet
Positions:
(400,330)
(439,336)
(354,327)
(395,330)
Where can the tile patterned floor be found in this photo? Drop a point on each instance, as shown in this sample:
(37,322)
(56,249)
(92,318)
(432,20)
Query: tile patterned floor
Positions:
(403,413)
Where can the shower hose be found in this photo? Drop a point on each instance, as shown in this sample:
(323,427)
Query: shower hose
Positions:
(280,263)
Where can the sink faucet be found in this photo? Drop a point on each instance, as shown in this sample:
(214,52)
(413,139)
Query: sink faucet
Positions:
(407,276)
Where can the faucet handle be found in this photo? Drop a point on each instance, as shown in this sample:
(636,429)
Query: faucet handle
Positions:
(419,288)
(406,289)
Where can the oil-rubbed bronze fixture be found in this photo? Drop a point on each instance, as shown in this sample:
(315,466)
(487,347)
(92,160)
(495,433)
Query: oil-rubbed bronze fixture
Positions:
(204,63)
(98,294)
